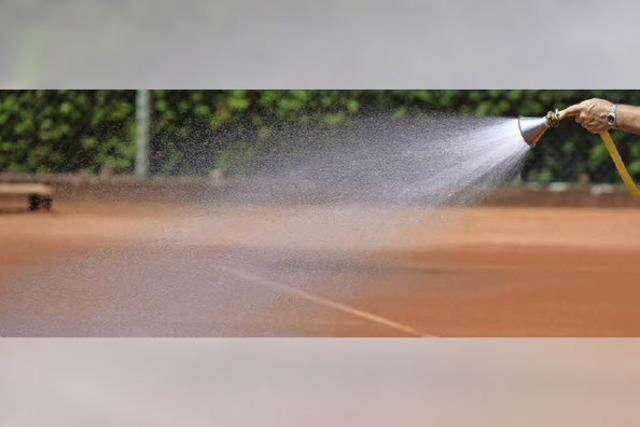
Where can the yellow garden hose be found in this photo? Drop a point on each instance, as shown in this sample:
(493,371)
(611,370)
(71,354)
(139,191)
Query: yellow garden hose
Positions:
(622,170)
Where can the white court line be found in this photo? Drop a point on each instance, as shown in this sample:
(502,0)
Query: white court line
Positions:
(279,287)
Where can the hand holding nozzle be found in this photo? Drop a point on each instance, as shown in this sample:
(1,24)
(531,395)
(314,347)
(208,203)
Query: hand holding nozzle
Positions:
(592,114)
(595,116)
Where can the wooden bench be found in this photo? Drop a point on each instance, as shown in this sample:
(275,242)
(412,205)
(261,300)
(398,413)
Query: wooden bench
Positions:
(39,196)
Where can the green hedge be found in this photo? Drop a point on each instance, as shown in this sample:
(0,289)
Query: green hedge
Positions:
(195,131)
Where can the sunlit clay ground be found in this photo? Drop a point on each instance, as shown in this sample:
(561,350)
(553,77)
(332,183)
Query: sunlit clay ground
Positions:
(173,269)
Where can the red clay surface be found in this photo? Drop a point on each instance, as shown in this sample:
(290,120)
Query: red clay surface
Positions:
(166,269)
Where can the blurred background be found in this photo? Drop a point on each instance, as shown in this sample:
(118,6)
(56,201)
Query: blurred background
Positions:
(193,132)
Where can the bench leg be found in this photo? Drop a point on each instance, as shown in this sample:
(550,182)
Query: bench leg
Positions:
(46,203)
(34,202)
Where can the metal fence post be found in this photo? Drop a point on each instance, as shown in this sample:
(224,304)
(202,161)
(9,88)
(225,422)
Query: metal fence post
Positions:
(142,132)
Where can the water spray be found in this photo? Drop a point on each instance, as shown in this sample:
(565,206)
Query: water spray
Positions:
(533,128)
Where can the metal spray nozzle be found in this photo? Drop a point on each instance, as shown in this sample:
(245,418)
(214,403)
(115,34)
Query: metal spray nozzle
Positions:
(532,128)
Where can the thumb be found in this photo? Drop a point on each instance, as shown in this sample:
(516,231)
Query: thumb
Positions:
(571,111)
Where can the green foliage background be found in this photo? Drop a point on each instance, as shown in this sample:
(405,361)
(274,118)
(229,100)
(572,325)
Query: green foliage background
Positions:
(195,131)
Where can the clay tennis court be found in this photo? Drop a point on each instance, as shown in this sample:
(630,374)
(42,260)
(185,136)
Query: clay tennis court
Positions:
(113,265)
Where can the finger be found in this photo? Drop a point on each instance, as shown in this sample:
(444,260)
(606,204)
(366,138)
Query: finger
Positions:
(571,111)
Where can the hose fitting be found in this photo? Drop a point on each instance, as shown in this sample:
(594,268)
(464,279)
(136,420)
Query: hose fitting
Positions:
(553,118)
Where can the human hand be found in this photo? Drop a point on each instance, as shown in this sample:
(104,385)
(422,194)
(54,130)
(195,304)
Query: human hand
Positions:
(591,114)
